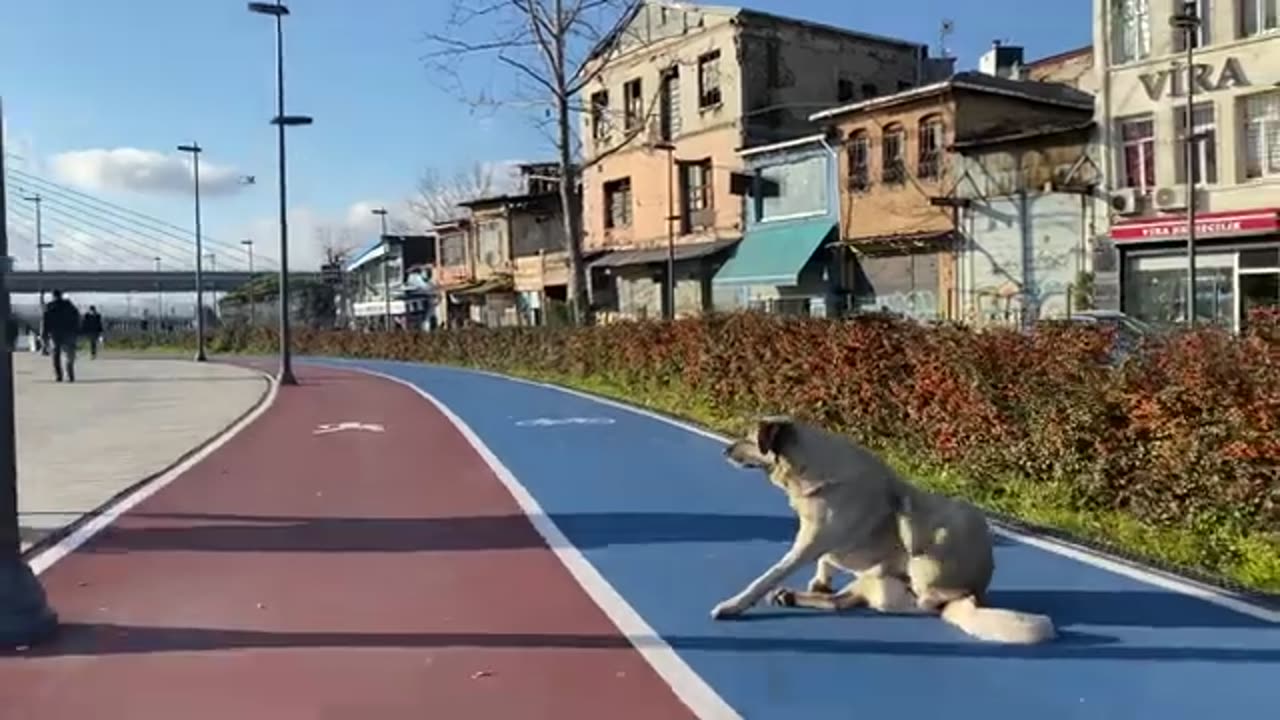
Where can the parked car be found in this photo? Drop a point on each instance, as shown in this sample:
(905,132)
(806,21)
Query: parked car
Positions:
(1130,332)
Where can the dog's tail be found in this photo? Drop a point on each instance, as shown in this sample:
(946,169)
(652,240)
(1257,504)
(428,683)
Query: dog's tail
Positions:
(998,625)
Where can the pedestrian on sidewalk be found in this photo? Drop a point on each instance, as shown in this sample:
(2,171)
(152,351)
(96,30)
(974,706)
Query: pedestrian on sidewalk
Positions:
(92,328)
(61,329)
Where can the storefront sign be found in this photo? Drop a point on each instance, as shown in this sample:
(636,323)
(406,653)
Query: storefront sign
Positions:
(1205,77)
(1212,225)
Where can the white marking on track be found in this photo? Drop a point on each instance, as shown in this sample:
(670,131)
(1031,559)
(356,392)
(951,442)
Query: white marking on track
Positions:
(552,422)
(328,428)
(683,681)
(45,559)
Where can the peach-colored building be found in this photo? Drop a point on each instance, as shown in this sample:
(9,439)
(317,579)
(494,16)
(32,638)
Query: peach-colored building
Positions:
(682,89)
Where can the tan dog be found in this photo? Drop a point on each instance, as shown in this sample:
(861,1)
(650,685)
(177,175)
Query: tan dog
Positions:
(912,551)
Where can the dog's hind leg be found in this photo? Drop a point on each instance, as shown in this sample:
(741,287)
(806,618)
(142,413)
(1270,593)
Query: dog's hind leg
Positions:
(882,593)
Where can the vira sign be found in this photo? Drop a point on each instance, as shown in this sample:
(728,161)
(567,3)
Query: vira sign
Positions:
(1206,78)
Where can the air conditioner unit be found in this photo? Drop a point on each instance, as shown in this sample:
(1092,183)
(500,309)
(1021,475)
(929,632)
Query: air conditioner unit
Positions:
(1171,198)
(1125,201)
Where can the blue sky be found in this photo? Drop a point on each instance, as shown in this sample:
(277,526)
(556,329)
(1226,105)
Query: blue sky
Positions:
(84,75)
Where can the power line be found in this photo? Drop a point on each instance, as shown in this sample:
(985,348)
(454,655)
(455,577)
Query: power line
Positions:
(56,214)
(152,224)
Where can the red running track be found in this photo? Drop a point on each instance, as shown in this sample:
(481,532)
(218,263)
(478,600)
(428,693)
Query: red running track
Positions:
(350,575)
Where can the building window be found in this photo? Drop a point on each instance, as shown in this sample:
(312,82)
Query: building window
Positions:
(695,191)
(709,79)
(1262,135)
(869,90)
(617,203)
(670,103)
(1204,169)
(859,153)
(453,251)
(633,103)
(1138,152)
(1131,30)
(1258,17)
(773,62)
(893,170)
(600,115)
(844,90)
(1202,34)
(930,148)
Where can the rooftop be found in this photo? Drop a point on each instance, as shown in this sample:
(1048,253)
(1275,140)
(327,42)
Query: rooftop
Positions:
(1048,93)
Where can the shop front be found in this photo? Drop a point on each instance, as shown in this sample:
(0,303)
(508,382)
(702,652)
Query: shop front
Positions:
(1237,267)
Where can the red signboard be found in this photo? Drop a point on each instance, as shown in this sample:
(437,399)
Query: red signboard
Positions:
(1208,225)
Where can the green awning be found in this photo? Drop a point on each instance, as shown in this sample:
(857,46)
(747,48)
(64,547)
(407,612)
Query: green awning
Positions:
(774,255)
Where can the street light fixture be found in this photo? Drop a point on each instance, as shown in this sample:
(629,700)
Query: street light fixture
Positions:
(671,228)
(1188,21)
(281,121)
(25,615)
(253,292)
(386,269)
(194,149)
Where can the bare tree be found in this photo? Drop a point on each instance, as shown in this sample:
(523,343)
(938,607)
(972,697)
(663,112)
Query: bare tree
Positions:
(336,242)
(438,196)
(556,48)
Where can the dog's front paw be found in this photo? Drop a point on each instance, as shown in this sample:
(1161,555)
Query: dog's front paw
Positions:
(726,609)
(783,597)
(818,585)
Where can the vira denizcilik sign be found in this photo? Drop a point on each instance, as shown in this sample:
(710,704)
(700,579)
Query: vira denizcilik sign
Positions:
(1206,76)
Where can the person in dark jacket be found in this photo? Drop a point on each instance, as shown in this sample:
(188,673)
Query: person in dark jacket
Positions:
(62,333)
(92,329)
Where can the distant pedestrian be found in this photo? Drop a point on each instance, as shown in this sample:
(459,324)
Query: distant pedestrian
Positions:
(92,328)
(61,330)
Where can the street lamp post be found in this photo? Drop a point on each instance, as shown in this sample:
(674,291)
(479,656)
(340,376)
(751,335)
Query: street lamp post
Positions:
(41,245)
(25,615)
(213,268)
(281,121)
(194,149)
(253,293)
(1188,21)
(159,294)
(671,228)
(386,269)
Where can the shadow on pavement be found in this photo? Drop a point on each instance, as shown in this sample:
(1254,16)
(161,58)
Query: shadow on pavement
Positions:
(107,639)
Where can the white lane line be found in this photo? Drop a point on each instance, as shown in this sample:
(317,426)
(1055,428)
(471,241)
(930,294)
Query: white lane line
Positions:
(1203,592)
(684,682)
(67,545)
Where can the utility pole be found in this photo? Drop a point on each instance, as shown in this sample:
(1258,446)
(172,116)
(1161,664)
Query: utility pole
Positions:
(386,269)
(25,615)
(41,245)
(670,148)
(253,293)
(159,293)
(1189,22)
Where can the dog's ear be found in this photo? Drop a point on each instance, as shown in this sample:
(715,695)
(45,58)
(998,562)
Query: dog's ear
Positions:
(770,432)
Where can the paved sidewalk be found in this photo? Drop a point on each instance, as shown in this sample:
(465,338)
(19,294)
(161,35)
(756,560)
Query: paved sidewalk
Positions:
(121,421)
(360,573)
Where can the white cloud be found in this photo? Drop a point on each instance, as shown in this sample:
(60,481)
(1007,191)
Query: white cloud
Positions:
(144,171)
(312,232)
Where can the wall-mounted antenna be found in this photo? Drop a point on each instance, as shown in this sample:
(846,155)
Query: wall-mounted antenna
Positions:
(948,27)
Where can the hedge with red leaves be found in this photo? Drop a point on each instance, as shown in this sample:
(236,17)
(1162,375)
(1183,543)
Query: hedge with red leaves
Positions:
(1186,431)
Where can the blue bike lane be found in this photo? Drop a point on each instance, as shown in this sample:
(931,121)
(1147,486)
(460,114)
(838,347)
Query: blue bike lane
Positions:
(674,529)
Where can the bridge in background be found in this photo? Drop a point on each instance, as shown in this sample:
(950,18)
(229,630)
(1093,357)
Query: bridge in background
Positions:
(122,281)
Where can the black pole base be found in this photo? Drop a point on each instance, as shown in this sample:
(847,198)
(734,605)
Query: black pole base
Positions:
(25,616)
(201,357)
(286,378)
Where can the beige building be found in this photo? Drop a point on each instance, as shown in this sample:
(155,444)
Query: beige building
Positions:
(1236,156)
(683,88)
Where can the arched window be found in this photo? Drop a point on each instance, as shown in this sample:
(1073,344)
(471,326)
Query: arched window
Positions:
(858,150)
(893,167)
(929,147)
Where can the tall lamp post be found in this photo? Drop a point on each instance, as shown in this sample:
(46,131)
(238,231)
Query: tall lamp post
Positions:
(159,293)
(194,149)
(386,269)
(671,227)
(1188,21)
(253,292)
(25,615)
(41,245)
(281,121)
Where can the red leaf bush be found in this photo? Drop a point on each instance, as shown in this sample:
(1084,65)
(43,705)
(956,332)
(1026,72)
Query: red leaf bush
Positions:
(1185,432)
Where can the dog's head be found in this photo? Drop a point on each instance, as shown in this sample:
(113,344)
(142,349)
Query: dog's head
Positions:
(763,447)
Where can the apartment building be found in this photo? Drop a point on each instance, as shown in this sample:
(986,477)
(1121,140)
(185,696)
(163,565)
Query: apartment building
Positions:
(906,196)
(681,88)
(390,282)
(1235,166)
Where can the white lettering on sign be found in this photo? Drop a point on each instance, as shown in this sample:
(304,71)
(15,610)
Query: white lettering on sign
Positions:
(1205,227)
(327,428)
(549,422)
